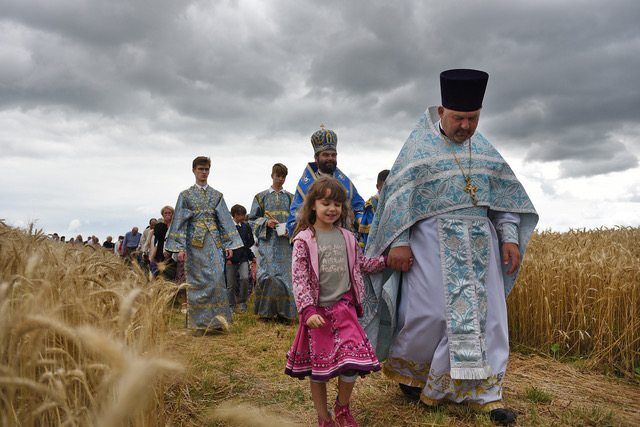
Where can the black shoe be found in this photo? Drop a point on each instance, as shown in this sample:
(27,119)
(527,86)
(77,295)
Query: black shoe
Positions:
(502,416)
(412,393)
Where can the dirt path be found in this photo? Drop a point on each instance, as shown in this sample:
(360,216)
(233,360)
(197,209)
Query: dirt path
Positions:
(244,367)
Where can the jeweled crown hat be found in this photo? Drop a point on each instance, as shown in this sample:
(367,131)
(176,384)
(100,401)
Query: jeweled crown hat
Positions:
(324,139)
(463,89)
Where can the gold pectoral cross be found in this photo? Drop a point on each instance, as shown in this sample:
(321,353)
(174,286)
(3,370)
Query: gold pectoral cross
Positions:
(471,189)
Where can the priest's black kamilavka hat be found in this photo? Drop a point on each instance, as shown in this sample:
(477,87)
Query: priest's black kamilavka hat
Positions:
(463,89)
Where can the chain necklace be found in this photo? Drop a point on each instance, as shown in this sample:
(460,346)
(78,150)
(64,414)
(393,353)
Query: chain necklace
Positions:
(469,188)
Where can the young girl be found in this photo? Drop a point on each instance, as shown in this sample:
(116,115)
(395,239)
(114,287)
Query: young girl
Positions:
(328,289)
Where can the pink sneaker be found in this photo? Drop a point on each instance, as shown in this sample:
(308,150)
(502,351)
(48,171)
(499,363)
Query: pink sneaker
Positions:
(327,423)
(343,415)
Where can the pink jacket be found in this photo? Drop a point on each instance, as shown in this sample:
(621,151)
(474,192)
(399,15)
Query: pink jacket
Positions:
(305,271)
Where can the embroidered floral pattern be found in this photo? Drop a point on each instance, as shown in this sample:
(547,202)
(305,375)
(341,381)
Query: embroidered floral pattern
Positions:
(338,346)
(341,343)
(305,279)
(465,255)
(440,385)
(465,389)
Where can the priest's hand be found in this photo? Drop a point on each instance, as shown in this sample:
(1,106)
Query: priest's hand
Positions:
(510,251)
(400,258)
(182,256)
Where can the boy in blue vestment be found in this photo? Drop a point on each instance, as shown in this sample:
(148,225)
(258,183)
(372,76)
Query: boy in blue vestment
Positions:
(203,233)
(370,209)
(273,293)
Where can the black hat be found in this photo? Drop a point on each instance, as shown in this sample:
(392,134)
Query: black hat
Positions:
(463,90)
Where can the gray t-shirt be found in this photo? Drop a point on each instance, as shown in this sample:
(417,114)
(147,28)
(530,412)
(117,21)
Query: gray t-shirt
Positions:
(332,263)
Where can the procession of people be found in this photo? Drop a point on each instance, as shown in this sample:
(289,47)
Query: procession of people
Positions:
(413,282)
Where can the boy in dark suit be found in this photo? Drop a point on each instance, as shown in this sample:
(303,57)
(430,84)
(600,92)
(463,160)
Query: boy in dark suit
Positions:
(238,264)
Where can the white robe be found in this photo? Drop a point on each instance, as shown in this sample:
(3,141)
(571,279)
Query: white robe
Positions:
(446,329)
(419,354)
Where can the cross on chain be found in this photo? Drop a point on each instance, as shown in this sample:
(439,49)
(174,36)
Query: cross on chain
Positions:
(471,189)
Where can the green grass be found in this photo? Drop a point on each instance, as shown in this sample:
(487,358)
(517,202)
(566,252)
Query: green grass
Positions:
(590,416)
(536,395)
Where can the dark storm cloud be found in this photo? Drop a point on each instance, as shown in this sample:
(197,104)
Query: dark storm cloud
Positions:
(557,69)
(109,56)
(376,56)
(584,153)
(97,23)
(616,162)
(563,74)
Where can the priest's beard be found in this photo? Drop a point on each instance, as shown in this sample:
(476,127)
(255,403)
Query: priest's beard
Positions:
(327,167)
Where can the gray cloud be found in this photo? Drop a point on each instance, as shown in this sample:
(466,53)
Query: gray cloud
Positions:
(107,80)
(616,163)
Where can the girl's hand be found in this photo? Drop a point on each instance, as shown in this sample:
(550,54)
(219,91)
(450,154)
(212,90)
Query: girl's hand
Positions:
(315,321)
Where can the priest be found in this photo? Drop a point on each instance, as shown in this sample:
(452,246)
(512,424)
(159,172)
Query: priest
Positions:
(455,223)
(325,143)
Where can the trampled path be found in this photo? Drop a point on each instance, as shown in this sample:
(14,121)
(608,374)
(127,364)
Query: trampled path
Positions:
(245,367)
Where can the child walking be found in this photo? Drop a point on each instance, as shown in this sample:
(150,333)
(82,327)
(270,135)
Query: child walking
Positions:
(327,281)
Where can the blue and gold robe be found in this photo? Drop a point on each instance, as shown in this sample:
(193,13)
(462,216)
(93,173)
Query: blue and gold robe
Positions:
(202,227)
(309,176)
(367,218)
(274,292)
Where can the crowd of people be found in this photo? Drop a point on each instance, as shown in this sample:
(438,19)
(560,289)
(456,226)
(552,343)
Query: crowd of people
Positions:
(416,277)
(79,241)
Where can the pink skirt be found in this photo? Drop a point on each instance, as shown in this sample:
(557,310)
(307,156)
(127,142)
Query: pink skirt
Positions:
(338,346)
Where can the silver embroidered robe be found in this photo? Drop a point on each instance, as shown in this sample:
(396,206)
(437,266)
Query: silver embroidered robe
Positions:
(442,325)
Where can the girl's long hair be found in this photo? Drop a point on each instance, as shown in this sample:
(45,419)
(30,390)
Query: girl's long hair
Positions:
(325,187)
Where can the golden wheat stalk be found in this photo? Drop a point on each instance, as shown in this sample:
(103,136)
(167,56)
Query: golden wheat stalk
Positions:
(245,415)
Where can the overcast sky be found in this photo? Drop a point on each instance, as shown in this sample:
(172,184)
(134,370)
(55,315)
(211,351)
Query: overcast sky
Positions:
(104,103)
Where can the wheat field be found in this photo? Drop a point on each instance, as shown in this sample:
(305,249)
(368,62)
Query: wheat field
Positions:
(578,294)
(83,336)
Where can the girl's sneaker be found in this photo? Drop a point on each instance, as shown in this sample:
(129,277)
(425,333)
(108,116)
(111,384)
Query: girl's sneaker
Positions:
(330,422)
(343,415)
